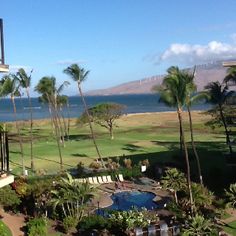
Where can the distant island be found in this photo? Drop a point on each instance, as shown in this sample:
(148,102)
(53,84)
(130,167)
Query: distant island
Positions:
(204,74)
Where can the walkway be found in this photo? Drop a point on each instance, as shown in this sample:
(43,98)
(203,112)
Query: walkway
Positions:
(14,222)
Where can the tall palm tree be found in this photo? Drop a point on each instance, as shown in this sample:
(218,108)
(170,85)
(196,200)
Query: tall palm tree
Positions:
(10,86)
(49,93)
(79,75)
(218,95)
(231,75)
(192,97)
(25,82)
(173,92)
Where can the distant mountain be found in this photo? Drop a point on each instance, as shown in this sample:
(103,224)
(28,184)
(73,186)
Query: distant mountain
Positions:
(204,74)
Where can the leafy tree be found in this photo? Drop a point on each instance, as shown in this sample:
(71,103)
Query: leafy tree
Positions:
(175,180)
(231,195)
(79,75)
(105,115)
(25,81)
(71,197)
(173,92)
(218,95)
(198,225)
(10,87)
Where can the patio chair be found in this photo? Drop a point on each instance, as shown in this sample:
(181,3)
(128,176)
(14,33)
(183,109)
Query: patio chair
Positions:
(138,231)
(152,230)
(120,177)
(104,179)
(109,180)
(95,180)
(100,180)
(90,180)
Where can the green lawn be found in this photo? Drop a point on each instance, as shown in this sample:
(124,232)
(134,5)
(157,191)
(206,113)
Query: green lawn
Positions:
(4,230)
(231,228)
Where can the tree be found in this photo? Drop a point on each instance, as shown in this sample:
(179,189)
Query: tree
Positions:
(198,225)
(231,195)
(231,75)
(49,94)
(10,86)
(71,196)
(218,95)
(175,180)
(79,75)
(25,81)
(173,92)
(105,115)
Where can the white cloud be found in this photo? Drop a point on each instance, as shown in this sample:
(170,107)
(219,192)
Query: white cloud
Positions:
(195,54)
(69,62)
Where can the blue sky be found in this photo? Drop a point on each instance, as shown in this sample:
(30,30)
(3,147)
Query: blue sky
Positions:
(117,40)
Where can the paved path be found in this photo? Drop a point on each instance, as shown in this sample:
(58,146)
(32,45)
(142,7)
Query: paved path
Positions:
(14,222)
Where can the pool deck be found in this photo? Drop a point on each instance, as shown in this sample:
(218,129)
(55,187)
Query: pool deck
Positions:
(106,190)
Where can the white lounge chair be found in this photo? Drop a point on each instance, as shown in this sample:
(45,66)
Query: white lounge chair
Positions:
(95,180)
(152,230)
(120,177)
(109,180)
(100,180)
(90,180)
(104,179)
(138,231)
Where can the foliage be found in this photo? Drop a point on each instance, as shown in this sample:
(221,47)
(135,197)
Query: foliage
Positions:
(71,197)
(37,227)
(94,222)
(126,220)
(198,225)
(128,163)
(95,165)
(69,223)
(231,195)
(8,197)
(20,185)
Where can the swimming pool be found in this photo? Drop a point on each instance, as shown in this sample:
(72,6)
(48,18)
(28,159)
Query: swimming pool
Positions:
(126,200)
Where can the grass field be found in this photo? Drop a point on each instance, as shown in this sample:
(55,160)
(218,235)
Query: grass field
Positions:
(139,136)
(4,229)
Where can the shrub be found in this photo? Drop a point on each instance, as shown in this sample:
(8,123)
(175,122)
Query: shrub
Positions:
(69,223)
(128,163)
(93,222)
(95,165)
(37,227)
(9,198)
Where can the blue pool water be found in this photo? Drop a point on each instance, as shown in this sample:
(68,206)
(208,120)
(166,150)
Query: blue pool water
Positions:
(124,201)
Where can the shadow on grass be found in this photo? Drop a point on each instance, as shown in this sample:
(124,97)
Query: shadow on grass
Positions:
(78,137)
(79,155)
(132,148)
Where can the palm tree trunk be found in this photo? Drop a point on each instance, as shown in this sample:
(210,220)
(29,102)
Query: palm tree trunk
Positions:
(187,161)
(31,130)
(226,130)
(68,121)
(194,147)
(90,125)
(19,136)
(180,138)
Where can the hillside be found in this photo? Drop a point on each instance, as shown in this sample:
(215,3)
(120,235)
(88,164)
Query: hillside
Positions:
(204,74)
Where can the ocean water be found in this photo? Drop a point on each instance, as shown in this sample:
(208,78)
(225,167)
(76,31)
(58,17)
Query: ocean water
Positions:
(134,104)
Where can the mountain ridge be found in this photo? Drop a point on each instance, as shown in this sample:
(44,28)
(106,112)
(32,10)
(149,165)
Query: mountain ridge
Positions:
(205,73)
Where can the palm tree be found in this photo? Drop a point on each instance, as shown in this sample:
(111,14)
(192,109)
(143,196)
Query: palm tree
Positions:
(198,225)
(175,180)
(231,195)
(173,92)
(49,93)
(218,95)
(10,86)
(71,196)
(25,81)
(192,97)
(231,75)
(79,75)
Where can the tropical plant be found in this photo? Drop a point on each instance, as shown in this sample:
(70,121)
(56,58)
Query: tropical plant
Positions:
(37,227)
(79,75)
(25,81)
(49,94)
(231,75)
(198,225)
(174,180)
(10,87)
(173,92)
(71,197)
(105,115)
(231,195)
(218,95)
